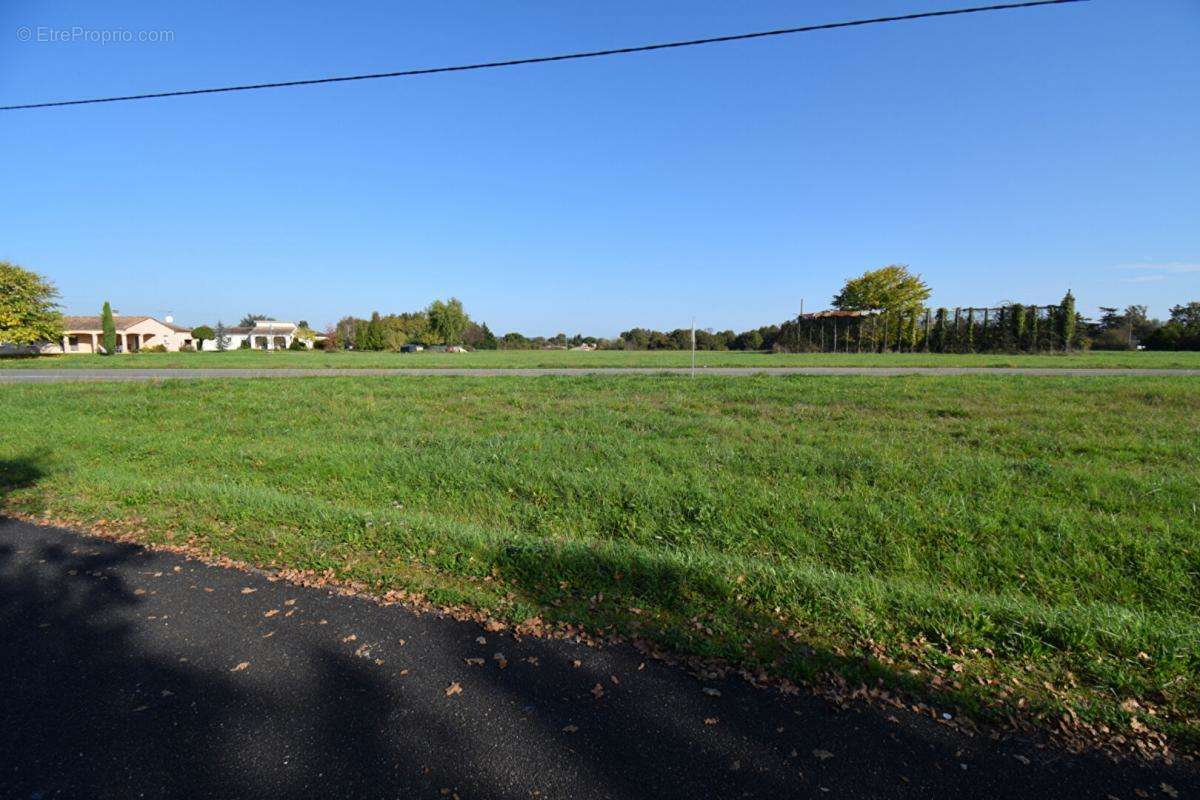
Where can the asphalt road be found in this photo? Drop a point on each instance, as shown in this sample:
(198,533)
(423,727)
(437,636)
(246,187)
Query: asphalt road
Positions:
(61,375)
(130,673)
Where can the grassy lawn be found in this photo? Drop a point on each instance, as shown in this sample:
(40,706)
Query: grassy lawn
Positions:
(988,542)
(509,359)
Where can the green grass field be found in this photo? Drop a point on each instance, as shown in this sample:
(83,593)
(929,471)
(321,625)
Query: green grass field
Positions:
(508,359)
(990,542)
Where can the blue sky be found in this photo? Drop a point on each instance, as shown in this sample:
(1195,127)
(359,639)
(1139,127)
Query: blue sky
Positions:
(1004,156)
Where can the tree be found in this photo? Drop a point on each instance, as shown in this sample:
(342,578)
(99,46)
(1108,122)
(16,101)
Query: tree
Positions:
(1066,320)
(249,320)
(1182,331)
(448,320)
(892,288)
(109,329)
(940,331)
(201,334)
(1017,321)
(374,333)
(28,311)
(221,337)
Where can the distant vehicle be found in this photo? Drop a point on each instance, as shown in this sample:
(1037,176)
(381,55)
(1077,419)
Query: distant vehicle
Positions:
(411,348)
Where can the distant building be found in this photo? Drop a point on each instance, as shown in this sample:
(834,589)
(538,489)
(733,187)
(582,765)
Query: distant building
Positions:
(85,335)
(265,334)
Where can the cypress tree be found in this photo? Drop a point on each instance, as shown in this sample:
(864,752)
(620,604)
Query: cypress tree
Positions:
(1066,320)
(1017,325)
(1033,329)
(362,341)
(109,329)
(969,343)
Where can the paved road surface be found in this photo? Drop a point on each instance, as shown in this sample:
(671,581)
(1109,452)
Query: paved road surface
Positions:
(120,678)
(60,375)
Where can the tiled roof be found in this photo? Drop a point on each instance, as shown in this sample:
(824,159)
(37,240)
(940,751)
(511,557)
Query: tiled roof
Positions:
(121,323)
(93,323)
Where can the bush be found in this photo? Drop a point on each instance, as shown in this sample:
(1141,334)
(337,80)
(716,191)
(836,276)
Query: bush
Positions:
(245,345)
(154,348)
(297,344)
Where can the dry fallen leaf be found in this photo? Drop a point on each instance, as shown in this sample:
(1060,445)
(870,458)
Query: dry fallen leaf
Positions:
(480,640)
(271,613)
(240,666)
(500,660)
(248,590)
(453,689)
(474,662)
(822,754)
(577,663)
(291,602)
(350,638)
(710,720)
(598,691)
(711,692)
(1169,790)
(570,728)
(139,591)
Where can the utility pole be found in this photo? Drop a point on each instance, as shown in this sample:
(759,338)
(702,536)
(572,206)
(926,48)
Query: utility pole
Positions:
(693,347)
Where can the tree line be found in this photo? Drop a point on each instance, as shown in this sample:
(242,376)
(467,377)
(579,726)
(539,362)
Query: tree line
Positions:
(882,310)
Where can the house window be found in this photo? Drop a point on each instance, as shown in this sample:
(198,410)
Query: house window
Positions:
(73,343)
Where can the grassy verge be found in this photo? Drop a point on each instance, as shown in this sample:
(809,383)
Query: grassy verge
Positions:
(1000,543)
(515,359)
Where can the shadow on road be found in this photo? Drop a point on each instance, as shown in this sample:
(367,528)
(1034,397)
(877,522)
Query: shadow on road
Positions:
(98,702)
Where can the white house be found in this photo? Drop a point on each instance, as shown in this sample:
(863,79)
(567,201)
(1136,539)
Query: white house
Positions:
(265,334)
(85,335)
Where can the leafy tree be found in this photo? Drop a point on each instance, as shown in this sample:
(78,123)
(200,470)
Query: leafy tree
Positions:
(362,337)
(1182,331)
(249,320)
(892,288)
(480,337)
(1066,320)
(201,334)
(447,320)
(221,337)
(108,329)
(28,311)
(374,336)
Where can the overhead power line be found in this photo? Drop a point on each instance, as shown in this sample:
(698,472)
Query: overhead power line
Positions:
(645,48)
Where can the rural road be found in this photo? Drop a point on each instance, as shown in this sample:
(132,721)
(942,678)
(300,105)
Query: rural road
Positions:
(130,673)
(62,375)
